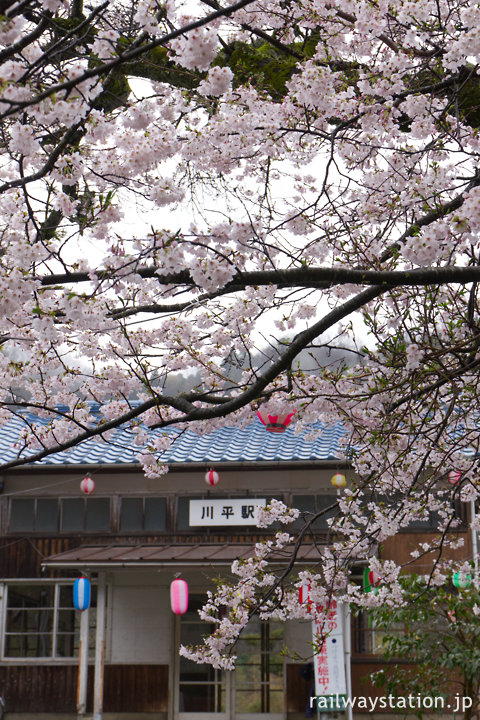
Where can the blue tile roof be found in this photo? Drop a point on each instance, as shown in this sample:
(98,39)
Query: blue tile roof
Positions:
(228,444)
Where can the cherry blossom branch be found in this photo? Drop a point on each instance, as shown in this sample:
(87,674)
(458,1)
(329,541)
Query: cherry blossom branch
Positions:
(307,277)
(185,402)
(123,58)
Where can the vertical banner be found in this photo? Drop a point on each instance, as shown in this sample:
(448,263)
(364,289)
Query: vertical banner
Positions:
(329,662)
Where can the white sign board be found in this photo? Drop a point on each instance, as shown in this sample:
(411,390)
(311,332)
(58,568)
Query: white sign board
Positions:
(329,662)
(237,511)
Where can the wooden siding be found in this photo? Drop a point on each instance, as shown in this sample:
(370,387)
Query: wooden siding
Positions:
(37,688)
(136,688)
(297,691)
(398,548)
(53,688)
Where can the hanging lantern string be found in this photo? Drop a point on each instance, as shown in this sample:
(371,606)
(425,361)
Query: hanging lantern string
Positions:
(50,485)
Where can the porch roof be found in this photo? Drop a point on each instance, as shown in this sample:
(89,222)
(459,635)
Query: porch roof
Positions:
(92,557)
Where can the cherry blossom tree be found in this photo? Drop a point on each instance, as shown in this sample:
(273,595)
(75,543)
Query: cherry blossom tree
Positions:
(186,184)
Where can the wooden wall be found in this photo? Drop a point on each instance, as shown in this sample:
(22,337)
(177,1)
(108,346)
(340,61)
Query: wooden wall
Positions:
(53,688)
(399,547)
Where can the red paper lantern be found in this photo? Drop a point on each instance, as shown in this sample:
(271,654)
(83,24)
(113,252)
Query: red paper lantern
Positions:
(374,578)
(212,477)
(304,594)
(454,476)
(275,422)
(87,486)
(179,596)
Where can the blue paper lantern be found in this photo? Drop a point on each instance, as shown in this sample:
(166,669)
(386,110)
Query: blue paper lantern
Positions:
(82,593)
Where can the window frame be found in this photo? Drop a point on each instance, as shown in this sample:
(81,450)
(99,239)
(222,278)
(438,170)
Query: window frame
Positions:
(56,608)
(228,679)
(114,523)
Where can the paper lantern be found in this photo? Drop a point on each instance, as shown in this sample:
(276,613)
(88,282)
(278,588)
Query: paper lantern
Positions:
(179,596)
(462,580)
(275,422)
(87,486)
(212,477)
(338,480)
(371,581)
(454,476)
(82,593)
(304,594)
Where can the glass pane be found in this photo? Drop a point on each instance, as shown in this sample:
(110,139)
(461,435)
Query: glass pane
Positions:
(131,515)
(306,504)
(248,701)
(22,515)
(98,515)
(276,676)
(323,502)
(47,515)
(28,645)
(201,698)
(248,675)
(276,701)
(72,514)
(66,620)
(155,513)
(67,644)
(192,633)
(34,596)
(183,514)
(66,596)
(29,620)
(191,671)
(248,650)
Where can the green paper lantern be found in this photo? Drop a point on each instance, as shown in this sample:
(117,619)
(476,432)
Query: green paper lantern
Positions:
(462,580)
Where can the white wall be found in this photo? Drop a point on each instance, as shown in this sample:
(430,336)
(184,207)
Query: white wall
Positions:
(298,639)
(140,622)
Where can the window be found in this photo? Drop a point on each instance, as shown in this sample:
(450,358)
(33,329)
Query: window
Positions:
(259,669)
(42,515)
(201,687)
(85,515)
(33,514)
(148,514)
(257,684)
(311,504)
(41,622)
(369,640)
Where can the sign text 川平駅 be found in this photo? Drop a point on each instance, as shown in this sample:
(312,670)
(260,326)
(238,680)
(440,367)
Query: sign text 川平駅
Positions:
(236,511)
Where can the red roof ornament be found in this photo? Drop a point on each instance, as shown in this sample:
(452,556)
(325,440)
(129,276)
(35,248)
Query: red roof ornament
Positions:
(275,422)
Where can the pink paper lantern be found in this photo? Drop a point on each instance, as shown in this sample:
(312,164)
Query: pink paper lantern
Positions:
(275,423)
(87,486)
(212,477)
(454,476)
(179,596)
